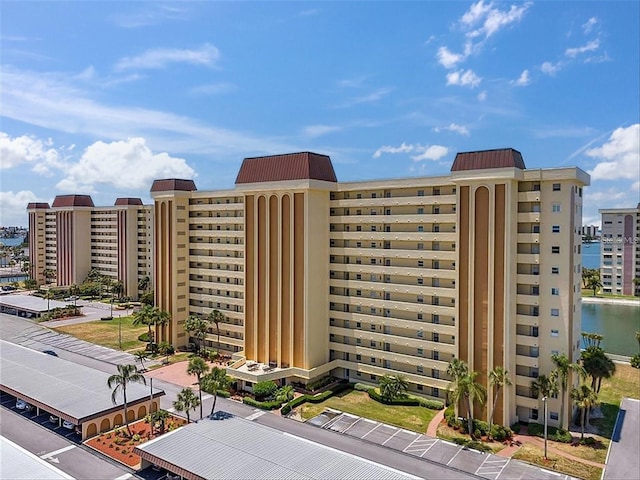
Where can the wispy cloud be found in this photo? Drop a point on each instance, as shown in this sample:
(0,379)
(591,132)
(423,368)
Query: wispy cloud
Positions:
(485,20)
(549,68)
(207,55)
(354,82)
(151,14)
(523,80)
(422,152)
(464,78)
(589,47)
(314,131)
(455,128)
(482,96)
(367,98)
(587,27)
(562,132)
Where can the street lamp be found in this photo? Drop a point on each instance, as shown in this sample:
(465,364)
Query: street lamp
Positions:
(544,401)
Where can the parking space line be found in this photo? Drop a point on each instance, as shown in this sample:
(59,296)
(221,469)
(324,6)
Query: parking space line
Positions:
(395,433)
(503,467)
(123,477)
(377,425)
(57,452)
(459,450)
(346,429)
(429,448)
(411,444)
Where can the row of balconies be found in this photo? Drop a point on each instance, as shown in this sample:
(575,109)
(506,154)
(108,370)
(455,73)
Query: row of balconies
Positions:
(444,219)
(401,319)
(351,304)
(380,236)
(394,198)
(448,253)
(395,284)
(400,338)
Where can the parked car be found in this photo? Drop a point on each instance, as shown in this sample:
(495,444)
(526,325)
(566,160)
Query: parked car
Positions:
(22,405)
(68,425)
(8,288)
(72,298)
(50,352)
(54,419)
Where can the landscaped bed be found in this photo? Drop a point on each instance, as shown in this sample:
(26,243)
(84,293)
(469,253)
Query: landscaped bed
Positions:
(118,445)
(358,403)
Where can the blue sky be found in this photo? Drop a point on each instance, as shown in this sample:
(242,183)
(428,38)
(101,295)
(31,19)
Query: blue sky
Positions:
(103,97)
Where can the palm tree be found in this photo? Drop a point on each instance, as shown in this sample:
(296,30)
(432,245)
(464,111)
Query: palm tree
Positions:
(498,378)
(49,295)
(198,367)
(197,326)
(126,374)
(141,356)
(392,387)
(215,317)
(472,392)
(186,401)
(144,316)
(158,417)
(563,368)
(117,288)
(593,283)
(216,380)
(159,317)
(144,283)
(164,348)
(545,386)
(597,365)
(585,398)
(456,369)
(285,394)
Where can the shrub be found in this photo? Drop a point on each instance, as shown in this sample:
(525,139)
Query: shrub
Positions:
(408,400)
(362,387)
(478,446)
(136,437)
(588,441)
(553,433)
(270,405)
(265,389)
(144,337)
(321,382)
(515,428)
(500,433)
(635,361)
(321,397)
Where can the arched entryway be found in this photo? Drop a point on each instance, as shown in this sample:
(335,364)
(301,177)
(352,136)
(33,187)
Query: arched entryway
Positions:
(104,425)
(92,430)
(142,411)
(131,415)
(117,420)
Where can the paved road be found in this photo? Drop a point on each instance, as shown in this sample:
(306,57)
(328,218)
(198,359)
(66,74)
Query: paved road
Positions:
(69,457)
(623,461)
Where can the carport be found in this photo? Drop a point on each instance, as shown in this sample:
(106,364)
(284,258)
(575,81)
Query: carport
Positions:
(70,391)
(28,306)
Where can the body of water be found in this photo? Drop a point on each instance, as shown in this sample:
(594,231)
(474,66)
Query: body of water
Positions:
(618,324)
(12,242)
(591,255)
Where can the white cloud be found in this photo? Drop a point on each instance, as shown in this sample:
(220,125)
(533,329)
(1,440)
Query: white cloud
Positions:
(523,80)
(368,98)
(620,155)
(589,47)
(126,165)
(454,127)
(449,59)
(13,207)
(319,130)
(423,152)
(27,149)
(464,78)
(549,68)
(587,27)
(482,96)
(207,55)
(151,14)
(433,152)
(491,19)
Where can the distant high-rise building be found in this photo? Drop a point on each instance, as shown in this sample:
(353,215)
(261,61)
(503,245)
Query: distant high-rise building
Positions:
(590,231)
(620,257)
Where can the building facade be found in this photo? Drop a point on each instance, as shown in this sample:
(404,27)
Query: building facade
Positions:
(363,279)
(73,236)
(620,252)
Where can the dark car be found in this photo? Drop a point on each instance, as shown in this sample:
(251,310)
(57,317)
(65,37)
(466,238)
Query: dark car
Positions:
(50,352)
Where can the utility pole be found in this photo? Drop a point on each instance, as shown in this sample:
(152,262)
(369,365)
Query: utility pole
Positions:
(544,401)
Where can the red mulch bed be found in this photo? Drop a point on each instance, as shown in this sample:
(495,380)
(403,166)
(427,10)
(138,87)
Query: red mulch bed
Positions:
(120,447)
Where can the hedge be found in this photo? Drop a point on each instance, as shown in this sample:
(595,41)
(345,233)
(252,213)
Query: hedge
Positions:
(553,433)
(409,401)
(269,405)
(321,397)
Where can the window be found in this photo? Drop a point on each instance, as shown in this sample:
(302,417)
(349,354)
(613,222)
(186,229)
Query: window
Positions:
(555,208)
(436,337)
(421,193)
(420,351)
(436,355)
(554,415)
(420,210)
(420,246)
(555,312)
(373,327)
(534,414)
(373,359)
(358,357)
(358,341)
(555,270)
(421,263)
(555,249)
(419,316)
(420,228)
(420,334)
(435,392)
(419,369)
(420,299)
(373,228)
(420,281)
(435,318)
(555,333)
(555,229)
(556,187)
(372,343)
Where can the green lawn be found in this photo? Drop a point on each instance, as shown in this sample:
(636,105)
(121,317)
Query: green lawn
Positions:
(358,403)
(535,455)
(624,383)
(105,332)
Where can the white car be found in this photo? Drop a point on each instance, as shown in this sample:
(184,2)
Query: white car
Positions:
(22,405)
(68,425)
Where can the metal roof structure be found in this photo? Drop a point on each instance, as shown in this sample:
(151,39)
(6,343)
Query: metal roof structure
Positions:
(290,166)
(499,158)
(229,447)
(17,463)
(30,303)
(71,391)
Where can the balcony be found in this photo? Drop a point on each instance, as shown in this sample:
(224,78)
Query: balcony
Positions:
(395,201)
(404,236)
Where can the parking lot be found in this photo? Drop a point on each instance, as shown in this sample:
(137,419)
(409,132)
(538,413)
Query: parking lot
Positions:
(9,401)
(434,450)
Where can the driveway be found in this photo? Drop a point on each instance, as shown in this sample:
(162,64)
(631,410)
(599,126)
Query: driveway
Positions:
(623,461)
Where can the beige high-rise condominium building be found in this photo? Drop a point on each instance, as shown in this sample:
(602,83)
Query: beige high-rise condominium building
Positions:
(620,251)
(73,236)
(362,279)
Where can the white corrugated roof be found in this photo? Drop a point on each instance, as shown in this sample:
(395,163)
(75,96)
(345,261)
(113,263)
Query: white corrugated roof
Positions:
(72,389)
(17,463)
(229,447)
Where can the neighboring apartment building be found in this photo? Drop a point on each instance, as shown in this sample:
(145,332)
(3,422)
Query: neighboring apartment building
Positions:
(620,251)
(73,236)
(362,279)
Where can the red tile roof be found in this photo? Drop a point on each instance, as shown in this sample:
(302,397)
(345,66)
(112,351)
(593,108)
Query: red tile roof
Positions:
(128,201)
(500,158)
(290,166)
(72,201)
(35,205)
(170,184)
